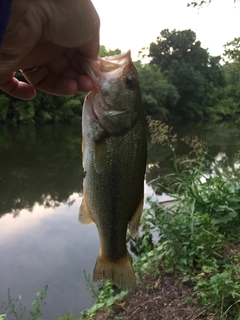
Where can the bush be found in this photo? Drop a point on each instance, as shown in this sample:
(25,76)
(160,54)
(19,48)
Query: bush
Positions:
(198,236)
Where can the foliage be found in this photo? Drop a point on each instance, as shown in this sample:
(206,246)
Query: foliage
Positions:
(198,236)
(201,3)
(43,108)
(103,52)
(232,50)
(159,96)
(23,112)
(16,311)
(189,68)
(228,98)
(66,317)
(4,103)
(108,295)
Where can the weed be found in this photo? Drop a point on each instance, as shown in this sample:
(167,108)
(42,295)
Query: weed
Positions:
(67,317)
(108,295)
(191,237)
(16,311)
(91,286)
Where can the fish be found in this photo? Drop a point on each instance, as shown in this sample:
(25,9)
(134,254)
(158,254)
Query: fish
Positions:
(114,148)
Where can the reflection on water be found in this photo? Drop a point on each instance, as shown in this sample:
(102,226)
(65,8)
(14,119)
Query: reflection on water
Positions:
(41,241)
(48,246)
(37,162)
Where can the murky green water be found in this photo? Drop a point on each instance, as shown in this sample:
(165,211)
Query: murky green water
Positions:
(41,241)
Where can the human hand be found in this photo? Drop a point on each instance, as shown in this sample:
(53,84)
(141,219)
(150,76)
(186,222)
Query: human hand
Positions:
(48,34)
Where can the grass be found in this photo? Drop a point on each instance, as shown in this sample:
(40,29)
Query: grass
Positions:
(14,310)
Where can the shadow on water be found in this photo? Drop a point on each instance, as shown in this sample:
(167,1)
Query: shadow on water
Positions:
(41,241)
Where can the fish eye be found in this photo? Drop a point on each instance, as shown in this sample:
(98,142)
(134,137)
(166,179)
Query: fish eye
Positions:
(130,82)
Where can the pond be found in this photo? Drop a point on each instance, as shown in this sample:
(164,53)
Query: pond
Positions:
(41,241)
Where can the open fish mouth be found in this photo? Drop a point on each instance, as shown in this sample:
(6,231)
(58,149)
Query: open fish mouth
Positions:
(114,62)
(99,69)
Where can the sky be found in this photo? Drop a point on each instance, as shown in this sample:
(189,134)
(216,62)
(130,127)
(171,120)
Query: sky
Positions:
(134,24)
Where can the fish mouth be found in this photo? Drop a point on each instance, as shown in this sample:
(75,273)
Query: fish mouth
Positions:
(99,69)
(111,63)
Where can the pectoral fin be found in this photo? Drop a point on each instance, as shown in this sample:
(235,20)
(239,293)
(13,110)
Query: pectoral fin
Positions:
(135,221)
(84,216)
(100,155)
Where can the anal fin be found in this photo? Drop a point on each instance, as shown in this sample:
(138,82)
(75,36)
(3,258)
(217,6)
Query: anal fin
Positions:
(135,220)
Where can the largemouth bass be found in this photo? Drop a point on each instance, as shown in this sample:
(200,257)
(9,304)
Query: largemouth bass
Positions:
(114,160)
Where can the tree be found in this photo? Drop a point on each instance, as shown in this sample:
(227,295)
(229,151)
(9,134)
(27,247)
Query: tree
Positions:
(189,68)
(103,52)
(232,50)
(230,102)
(159,96)
(200,3)
(4,103)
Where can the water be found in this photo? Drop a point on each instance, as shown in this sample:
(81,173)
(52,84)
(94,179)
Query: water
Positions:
(41,241)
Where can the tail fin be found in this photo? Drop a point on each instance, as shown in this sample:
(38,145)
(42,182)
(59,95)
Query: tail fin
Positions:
(120,271)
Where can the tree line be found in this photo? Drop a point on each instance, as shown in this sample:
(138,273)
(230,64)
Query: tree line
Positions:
(183,79)
(180,79)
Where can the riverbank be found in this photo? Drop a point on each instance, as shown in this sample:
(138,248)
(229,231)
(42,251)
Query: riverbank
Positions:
(202,283)
(188,253)
(164,297)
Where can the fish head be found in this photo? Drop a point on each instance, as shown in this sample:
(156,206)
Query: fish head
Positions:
(116,99)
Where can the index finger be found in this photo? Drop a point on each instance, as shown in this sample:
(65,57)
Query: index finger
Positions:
(16,88)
